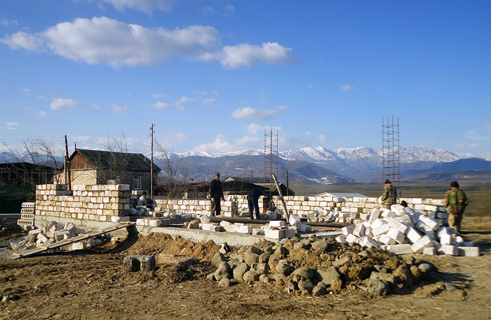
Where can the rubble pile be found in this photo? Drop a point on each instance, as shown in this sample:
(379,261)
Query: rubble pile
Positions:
(403,230)
(55,232)
(320,266)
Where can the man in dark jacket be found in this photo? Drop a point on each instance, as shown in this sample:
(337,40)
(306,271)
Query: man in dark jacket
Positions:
(253,201)
(455,202)
(216,195)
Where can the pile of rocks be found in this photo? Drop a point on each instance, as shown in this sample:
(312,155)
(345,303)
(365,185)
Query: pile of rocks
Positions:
(53,233)
(403,230)
(319,266)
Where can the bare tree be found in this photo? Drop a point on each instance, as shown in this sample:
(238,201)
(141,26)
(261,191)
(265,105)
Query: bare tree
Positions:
(176,174)
(116,164)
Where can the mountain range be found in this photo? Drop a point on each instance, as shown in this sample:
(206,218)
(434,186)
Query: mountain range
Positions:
(318,165)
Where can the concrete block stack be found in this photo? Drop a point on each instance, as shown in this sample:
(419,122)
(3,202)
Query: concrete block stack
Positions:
(27,215)
(406,231)
(105,203)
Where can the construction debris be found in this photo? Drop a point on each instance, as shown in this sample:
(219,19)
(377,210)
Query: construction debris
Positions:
(316,267)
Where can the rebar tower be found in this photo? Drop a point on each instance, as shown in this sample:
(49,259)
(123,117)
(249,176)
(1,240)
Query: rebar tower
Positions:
(271,156)
(390,151)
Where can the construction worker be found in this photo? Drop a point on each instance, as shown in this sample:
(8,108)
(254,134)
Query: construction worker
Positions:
(455,202)
(389,196)
(216,195)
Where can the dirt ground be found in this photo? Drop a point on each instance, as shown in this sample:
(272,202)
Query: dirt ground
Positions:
(94,285)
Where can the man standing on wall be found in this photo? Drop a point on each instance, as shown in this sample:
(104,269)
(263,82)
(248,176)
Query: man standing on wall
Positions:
(216,195)
(389,196)
(455,202)
(253,201)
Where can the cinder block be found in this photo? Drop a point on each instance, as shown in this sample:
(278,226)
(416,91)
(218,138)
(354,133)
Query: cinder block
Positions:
(385,239)
(431,251)
(447,239)
(393,223)
(400,248)
(244,229)
(277,223)
(347,230)
(397,235)
(359,230)
(380,230)
(469,251)
(375,215)
(449,250)
(351,238)
(279,234)
(431,223)
(422,243)
(367,242)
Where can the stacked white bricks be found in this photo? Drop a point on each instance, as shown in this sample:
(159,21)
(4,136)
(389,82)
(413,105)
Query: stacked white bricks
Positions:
(27,215)
(405,231)
(104,203)
(315,209)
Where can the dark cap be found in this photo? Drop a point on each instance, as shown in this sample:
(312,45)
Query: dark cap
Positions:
(217,174)
(387,181)
(454,184)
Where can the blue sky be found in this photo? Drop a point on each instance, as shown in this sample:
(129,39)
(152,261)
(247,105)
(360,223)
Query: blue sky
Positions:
(214,75)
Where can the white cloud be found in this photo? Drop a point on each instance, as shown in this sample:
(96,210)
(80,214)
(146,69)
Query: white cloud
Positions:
(162,106)
(253,114)
(474,135)
(26,91)
(219,145)
(208,101)
(322,138)
(12,124)
(467,145)
(59,103)
(348,88)
(181,103)
(308,133)
(246,55)
(119,109)
(22,40)
(143,5)
(42,114)
(281,107)
(104,40)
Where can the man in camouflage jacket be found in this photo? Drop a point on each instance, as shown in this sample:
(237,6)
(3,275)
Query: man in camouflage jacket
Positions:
(389,196)
(455,202)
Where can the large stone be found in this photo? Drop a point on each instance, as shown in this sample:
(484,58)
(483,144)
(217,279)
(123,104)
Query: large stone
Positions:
(225,282)
(378,287)
(285,267)
(131,263)
(305,286)
(223,271)
(326,276)
(260,268)
(176,259)
(251,257)
(240,270)
(304,272)
(320,245)
(320,289)
(217,259)
(251,276)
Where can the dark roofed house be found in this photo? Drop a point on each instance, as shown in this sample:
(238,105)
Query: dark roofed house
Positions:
(89,167)
(263,182)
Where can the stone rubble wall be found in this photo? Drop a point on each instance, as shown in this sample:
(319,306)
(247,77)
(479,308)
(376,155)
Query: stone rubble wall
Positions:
(104,203)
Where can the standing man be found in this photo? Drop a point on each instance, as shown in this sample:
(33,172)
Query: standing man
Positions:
(455,202)
(389,196)
(253,201)
(216,195)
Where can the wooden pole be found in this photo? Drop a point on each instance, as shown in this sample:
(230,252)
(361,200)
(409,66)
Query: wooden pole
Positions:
(68,178)
(281,198)
(151,161)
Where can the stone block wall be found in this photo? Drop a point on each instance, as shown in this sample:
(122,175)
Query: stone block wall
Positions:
(104,203)
(305,206)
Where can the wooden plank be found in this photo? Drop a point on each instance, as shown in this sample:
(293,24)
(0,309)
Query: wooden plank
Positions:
(281,198)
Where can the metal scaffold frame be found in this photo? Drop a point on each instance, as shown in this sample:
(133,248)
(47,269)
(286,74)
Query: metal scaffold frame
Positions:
(271,156)
(390,151)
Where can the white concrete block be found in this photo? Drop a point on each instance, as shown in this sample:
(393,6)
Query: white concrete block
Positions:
(341,238)
(351,238)
(359,230)
(375,215)
(469,251)
(381,230)
(431,251)
(447,239)
(244,229)
(279,234)
(431,223)
(377,223)
(393,223)
(277,223)
(400,248)
(449,250)
(230,228)
(397,235)
(347,230)
(422,243)
(385,239)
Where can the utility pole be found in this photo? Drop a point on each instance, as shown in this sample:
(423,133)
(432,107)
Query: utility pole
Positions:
(68,178)
(151,161)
